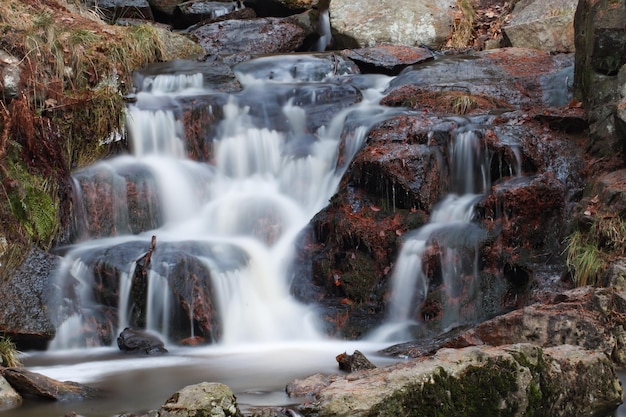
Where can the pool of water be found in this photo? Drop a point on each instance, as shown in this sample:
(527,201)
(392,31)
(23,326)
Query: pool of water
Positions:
(257,374)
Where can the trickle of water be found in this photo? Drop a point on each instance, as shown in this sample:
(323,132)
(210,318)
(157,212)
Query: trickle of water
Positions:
(326,37)
(449,231)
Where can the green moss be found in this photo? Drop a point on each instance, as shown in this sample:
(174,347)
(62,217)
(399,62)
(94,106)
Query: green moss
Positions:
(541,391)
(479,391)
(360,277)
(34,203)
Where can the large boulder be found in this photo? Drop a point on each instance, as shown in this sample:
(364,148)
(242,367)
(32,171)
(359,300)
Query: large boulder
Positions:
(508,77)
(511,380)
(591,318)
(544,25)
(244,38)
(33,384)
(586,317)
(386,58)
(600,54)
(365,23)
(202,400)
(25,315)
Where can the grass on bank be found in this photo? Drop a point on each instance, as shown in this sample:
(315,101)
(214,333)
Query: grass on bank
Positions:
(589,253)
(74,70)
(9,355)
(463,25)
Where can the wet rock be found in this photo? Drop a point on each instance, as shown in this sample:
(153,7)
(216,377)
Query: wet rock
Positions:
(510,380)
(600,54)
(610,191)
(411,175)
(9,398)
(25,315)
(365,23)
(355,362)
(204,399)
(528,212)
(320,102)
(112,10)
(387,58)
(243,38)
(544,25)
(164,8)
(315,32)
(189,284)
(239,14)
(350,250)
(591,318)
(202,115)
(601,47)
(32,384)
(515,77)
(297,68)
(620,111)
(102,194)
(215,75)
(195,11)
(140,341)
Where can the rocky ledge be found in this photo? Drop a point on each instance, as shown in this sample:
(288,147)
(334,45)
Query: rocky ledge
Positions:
(509,380)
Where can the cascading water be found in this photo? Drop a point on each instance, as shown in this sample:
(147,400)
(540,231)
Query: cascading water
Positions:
(446,248)
(247,205)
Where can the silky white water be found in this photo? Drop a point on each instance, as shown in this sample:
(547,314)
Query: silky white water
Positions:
(254,195)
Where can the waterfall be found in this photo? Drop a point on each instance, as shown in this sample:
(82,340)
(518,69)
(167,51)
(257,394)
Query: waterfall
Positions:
(246,206)
(440,249)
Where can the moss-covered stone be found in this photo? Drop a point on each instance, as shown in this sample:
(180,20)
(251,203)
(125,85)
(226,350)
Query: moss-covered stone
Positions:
(479,391)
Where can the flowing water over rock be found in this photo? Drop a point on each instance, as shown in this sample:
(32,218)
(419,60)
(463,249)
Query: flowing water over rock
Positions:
(203,250)
(231,221)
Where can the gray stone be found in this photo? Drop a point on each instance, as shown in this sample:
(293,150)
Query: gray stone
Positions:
(27,308)
(365,23)
(10,72)
(33,384)
(243,38)
(9,398)
(544,25)
(207,399)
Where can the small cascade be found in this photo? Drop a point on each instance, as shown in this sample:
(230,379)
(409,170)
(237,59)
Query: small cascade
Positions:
(225,229)
(443,252)
(326,36)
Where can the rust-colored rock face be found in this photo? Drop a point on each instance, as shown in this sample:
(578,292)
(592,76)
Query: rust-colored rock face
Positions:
(395,183)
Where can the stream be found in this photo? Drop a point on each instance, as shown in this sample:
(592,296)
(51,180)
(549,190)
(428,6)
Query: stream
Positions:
(279,151)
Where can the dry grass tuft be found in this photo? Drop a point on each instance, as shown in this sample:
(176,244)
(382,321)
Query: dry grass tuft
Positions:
(589,253)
